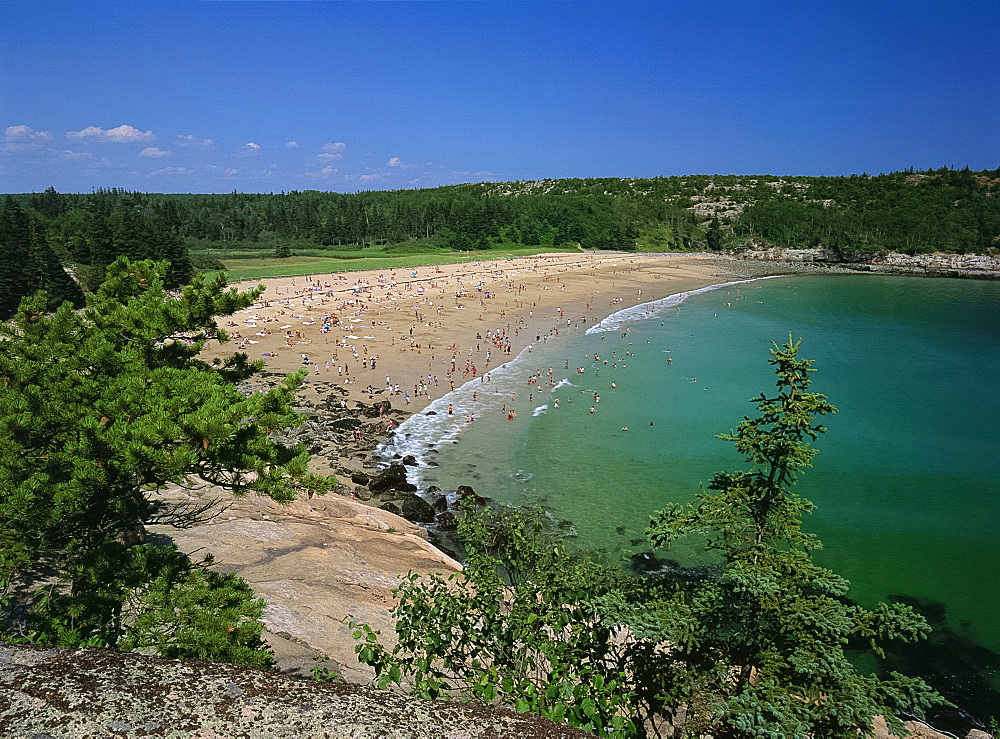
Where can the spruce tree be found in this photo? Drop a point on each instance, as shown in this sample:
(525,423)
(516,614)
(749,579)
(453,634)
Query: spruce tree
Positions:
(763,640)
(15,243)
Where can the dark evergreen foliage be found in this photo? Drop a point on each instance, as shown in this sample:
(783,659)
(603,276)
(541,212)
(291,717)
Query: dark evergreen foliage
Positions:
(101,408)
(28,264)
(912,212)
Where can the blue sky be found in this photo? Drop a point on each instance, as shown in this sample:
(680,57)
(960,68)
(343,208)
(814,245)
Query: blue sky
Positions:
(271,96)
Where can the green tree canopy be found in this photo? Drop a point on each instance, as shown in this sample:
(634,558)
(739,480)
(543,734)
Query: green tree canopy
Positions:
(99,409)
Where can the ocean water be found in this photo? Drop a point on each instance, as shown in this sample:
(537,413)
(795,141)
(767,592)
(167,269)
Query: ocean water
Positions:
(906,480)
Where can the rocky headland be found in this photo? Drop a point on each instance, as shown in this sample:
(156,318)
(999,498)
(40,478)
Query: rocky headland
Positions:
(977,266)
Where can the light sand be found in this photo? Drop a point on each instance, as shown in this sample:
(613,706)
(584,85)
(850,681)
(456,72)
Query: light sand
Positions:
(415,321)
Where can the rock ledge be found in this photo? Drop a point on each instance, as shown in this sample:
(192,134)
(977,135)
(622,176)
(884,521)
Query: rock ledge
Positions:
(103,692)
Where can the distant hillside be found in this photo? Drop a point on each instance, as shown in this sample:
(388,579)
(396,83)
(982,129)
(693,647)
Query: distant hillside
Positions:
(910,212)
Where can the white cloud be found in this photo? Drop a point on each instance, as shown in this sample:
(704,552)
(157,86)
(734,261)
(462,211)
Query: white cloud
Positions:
(152,152)
(292,144)
(368,177)
(332,151)
(193,141)
(171,171)
(123,134)
(393,162)
(249,149)
(22,134)
(84,157)
(322,174)
(75,156)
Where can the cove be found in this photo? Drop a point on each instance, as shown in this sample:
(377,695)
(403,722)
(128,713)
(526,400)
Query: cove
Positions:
(905,484)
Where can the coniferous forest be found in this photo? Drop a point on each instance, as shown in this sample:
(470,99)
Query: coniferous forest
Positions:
(912,212)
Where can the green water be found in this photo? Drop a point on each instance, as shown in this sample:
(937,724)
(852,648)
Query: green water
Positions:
(906,480)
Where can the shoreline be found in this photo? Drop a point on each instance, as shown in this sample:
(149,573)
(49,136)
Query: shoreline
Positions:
(416,323)
(332,408)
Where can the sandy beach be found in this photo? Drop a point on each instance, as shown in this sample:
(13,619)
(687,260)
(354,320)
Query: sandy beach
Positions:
(423,330)
(324,562)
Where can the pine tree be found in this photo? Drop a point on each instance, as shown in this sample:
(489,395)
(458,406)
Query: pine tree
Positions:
(99,409)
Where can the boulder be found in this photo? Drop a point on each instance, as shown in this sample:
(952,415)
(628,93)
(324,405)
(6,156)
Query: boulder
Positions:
(417,509)
(447,521)
(391,478)
(410,461)
(360,478)
(392,508)
(348,423)
(466,492)
(362,494)
(440,503)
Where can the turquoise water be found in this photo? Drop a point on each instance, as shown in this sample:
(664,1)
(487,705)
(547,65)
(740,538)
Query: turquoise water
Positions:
(906,478)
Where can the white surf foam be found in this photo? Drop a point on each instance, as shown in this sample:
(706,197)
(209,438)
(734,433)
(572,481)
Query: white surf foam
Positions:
(655,307)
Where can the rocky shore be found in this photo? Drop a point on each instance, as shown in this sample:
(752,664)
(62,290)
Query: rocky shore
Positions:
(975,266)
(343,433)
(343,437)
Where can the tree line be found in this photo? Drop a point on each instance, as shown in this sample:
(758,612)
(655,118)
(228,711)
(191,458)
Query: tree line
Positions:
(912,212)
